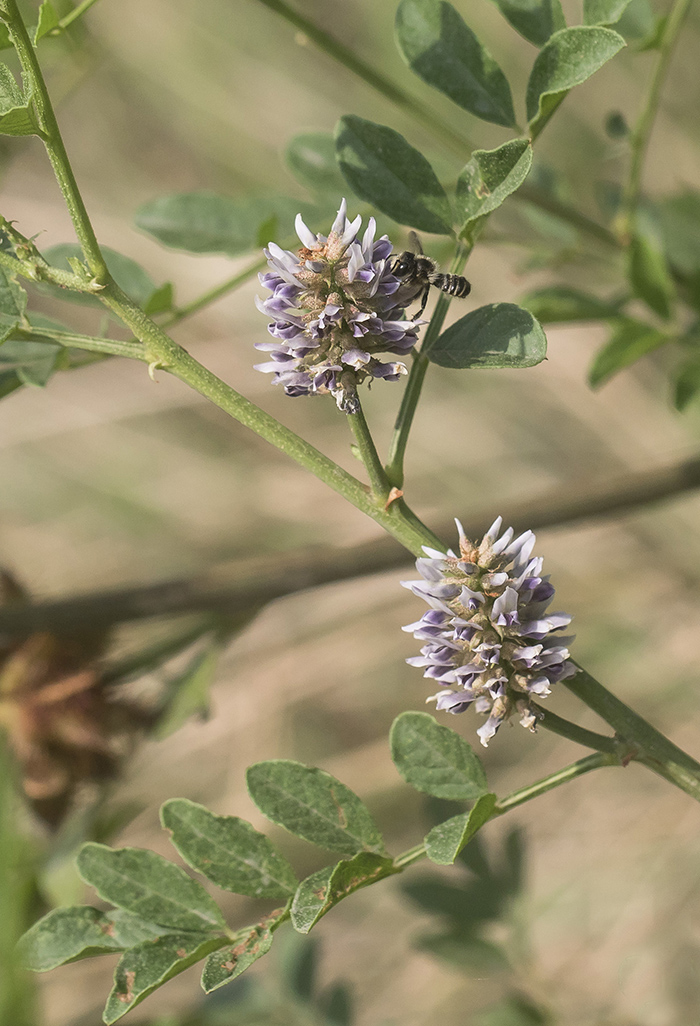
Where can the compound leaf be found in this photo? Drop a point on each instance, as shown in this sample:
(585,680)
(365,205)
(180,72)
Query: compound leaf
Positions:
(434,759)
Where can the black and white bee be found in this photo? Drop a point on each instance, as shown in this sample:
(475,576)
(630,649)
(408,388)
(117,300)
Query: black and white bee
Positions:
(416,269)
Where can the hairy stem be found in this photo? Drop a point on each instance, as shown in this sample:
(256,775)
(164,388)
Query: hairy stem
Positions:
(639,140)
(73,15)
(368,453)
(572,731)
(419,368)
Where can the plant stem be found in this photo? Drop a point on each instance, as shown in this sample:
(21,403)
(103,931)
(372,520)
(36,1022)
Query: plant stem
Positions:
(572,731)
(525,794)
(639,139)
(73,16)
(72,340)
(327,44)
(368,453)
(419,368)
(211,295)
(652,748)
(52,139)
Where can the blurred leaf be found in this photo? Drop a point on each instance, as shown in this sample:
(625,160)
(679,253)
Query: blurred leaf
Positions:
(603,12)
(128,275)
(474,858)
(69,934)
(570,57)
(649,275)
(466,907)
(493,336)
(228,851)
(251,944)
(160,301)
(434,759)
(489,178)
(301,966)
(465,952)
(32,362)
(17,114)
(203,222)
(384,169)
(188,694)
(559,304)
(149,965)
(445,841)
(5,41)
(638,20)
(514,1011)
(678,220)
(318,894)
(687,384)
(150,886)
(337,1006)
(536,20)
(312,804)
(514,869)
(629,341)
(48,20)
(311,159)
(442,50)
(654,38)
(616,126)
(13,298)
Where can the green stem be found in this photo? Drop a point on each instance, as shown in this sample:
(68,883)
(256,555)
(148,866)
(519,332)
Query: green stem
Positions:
(639,140)
(73,16)
(416,377)
(72,340)
(52,139)
(211,295)
(327,44)
(369,455)
(565,728)
(526,794)
(650,746)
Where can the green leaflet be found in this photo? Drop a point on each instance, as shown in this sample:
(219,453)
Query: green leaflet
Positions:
(251,944)
(536,20)
(312,804)
(320,892)
(559,304)
(434,759)
(384,169)
(494,336)
(68,934)
(649,275)
(442,50)
(310,157)
(570,57)
(488,179)
(603,12)
(629,341)
(228,851)
(446,840)
(149,886)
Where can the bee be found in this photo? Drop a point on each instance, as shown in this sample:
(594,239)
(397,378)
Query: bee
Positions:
(419,271)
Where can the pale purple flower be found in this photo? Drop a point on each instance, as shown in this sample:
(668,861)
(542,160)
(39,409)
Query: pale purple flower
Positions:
(488,639)
(335,305)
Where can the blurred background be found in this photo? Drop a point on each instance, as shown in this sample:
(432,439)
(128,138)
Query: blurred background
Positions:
(111,479)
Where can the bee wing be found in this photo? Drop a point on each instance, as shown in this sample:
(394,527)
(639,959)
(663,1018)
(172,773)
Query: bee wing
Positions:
(414,242)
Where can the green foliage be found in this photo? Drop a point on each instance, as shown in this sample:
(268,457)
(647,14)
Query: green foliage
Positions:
(558,304)
(129,275)
(384,169)
(515,1010)
(322,890)
(69,934)
(536,20)
(603,12)
(678,220)
(148,885)
(649,275)
(488,179)
(48,20)
(442,50)
(188,694)
(251,943)
(497,335)
(147,966)
(629,341)
(686,384)
(311,159)
(434,759)
(228,851)
(570,57)
(446,840)
(312,804)
(17,114)
(203,222)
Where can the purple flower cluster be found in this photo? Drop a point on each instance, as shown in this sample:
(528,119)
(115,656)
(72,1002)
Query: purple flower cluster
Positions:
(487,636)
(335,304)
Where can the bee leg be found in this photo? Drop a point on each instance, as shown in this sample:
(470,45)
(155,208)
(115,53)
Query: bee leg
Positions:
(424,300)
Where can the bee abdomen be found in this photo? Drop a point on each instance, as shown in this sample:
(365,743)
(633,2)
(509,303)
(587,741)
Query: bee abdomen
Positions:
(452,284)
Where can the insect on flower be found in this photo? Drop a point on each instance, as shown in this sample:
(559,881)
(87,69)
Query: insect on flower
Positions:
(414,269)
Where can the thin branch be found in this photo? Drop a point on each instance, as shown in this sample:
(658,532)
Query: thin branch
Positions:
(233,586)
